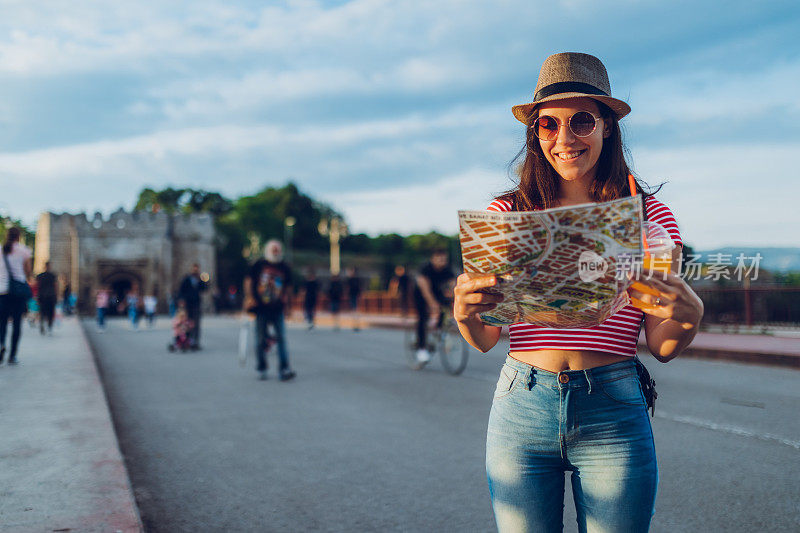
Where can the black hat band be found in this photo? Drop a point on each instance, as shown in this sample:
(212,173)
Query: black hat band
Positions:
(567,87)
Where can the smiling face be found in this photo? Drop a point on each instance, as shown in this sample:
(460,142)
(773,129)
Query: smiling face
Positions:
(574,158)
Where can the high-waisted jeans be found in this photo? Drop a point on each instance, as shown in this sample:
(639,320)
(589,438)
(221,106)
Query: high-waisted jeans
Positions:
(592,423)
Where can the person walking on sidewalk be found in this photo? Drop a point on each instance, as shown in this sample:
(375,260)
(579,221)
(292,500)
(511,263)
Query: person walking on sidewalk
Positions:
(14,290)
(134,303)
(335,293)
(310,296)
(266,295)
(46,295)
(399,287)
(353,294)
(150,304)
(102,301)
(190,292)
(571,399)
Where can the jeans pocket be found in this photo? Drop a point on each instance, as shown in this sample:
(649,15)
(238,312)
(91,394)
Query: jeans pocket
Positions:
(506,382)
(625,390)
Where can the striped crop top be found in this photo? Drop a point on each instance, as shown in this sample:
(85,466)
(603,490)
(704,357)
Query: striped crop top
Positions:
(617,335)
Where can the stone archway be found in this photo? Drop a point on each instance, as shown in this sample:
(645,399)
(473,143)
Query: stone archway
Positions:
(119,282)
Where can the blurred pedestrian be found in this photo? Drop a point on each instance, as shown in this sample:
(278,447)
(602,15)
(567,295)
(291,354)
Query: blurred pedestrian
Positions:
(46,297)
(101,302)
(172,304)
(335,293)
(190,292)
(32,304)
(14,290)
(66,300)
(133,302)
(353,293)
(232,298)
(310,297)
(399,287)
(150,304)
(266,295)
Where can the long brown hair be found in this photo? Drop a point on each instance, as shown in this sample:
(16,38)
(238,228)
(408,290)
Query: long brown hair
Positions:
(539,182)
(11,237)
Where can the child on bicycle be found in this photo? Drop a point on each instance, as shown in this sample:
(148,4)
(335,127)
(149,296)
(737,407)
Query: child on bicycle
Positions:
(181,326)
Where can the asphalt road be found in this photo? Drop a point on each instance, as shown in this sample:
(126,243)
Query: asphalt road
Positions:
(359,442)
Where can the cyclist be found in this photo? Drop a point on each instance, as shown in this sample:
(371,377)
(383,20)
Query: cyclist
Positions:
(434,281)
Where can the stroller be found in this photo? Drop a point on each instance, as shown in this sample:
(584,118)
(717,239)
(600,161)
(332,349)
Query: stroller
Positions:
(181,330)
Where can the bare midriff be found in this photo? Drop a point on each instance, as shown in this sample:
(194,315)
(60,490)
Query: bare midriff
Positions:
(560,360)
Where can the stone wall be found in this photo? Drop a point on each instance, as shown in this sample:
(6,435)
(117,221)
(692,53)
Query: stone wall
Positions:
(153,250)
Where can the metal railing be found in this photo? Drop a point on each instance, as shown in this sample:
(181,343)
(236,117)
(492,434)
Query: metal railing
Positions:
(755,306)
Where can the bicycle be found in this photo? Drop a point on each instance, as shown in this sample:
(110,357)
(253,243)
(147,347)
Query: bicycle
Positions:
(445,340)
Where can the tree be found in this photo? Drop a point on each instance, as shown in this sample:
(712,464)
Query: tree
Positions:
(168,200)
(184,200)
(359,243)
(265,213)
(28,237)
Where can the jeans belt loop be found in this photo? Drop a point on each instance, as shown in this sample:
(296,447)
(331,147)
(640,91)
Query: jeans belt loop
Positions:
(588,373)
(531,379)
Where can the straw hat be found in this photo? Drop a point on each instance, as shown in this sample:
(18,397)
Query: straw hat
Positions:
(571,75)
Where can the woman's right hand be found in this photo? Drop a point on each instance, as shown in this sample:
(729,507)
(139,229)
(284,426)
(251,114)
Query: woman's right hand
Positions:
(469,302)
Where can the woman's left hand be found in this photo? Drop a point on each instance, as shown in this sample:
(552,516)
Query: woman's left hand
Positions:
(666,296)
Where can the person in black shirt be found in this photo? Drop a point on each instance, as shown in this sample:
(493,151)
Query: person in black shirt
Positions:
(46,296)
(190,291)
(335,292)
(310,298)
(399,287)
(266,296)
(353,292)
(430,294)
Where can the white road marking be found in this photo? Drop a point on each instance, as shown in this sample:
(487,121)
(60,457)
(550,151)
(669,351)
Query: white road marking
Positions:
(727,428)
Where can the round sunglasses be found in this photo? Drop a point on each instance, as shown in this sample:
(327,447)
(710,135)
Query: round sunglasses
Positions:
(581,124)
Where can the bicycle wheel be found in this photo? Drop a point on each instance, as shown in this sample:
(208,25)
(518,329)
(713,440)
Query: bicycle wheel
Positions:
(410,345)
(452,348)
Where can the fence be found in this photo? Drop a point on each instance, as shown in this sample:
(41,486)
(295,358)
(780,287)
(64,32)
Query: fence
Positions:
(754,306)
(373,302)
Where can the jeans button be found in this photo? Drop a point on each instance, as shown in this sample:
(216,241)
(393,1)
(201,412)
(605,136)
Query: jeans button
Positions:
(563,378)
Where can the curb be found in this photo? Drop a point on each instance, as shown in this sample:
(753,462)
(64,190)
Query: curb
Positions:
(128,511)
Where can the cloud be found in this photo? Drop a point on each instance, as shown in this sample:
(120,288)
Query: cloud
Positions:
(707,94)
(95,157)
(367,98)
(738,194)
(420,208)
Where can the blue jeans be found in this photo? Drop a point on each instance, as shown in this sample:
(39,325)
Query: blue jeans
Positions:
(101,317)
(592,423)
(279,332)
(133,315)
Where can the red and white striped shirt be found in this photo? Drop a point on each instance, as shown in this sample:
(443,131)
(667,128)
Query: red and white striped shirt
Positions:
(617,334)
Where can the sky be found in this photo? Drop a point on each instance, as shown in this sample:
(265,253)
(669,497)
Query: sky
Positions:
(395,113)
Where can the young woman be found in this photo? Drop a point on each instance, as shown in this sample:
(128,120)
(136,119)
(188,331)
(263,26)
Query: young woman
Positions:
(15,265)
(570,399)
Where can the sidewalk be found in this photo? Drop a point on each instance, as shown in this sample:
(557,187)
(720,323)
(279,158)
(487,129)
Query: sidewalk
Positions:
(774,350)
(60,464)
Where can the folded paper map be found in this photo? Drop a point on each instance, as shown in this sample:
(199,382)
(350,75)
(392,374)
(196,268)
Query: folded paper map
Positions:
(562,267)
